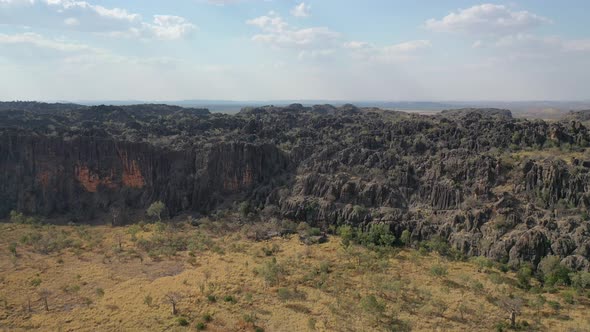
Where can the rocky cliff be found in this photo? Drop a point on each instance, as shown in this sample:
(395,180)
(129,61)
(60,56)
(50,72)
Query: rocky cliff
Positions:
(510,189)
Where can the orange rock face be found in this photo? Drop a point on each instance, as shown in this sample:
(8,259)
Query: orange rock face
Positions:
(90,180)
(87,178)
(238,182)
(43,178)
(132,176)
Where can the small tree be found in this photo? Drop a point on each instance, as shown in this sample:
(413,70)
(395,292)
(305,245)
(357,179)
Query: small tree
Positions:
(439,271)
(173,298)
(524,277)
(406,238)
(156,209)
(147,300)
(44,295)
(512,305)
(580,280)
(346,234)
(372,306)
(12,249)
(551,271)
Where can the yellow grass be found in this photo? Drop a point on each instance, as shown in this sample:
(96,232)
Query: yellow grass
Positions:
(316,301)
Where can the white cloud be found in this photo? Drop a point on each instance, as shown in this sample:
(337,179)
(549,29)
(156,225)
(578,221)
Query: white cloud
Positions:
(170,27)
(32,49)
(71,21)
(88,17)
(531,45)
(301,10)
(355,45)
(388,54)
(279,34)
(37,41)
(316,54)
(487,19)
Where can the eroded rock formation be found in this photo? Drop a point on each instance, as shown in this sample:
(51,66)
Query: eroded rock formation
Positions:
(510,189)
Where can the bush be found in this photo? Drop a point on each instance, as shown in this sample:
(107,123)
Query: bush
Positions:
(201,326)
(377,235)
(211,298)
(284,294)
(551,272)
(19,218)
(554,305)
(12,248)
(580,280)
(148,300)
(271,271)
(568,297)
(371,305)
(181,321)
(477,286)
(230,299)
(250,318)
(406,238)
(482,263)
(438,270)
(523,277)
(207,317)
(36,282)
(156,209)
(346,234)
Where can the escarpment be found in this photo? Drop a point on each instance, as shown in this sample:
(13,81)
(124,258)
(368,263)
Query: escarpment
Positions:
(510,189)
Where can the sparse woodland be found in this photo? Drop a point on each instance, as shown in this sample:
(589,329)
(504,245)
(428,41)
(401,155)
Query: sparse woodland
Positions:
(215,276)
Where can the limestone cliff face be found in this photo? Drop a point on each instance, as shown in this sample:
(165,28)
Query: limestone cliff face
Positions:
(85,176)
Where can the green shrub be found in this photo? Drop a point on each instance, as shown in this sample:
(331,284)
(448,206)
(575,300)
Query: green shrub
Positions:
(201,326)
(523,277)
(372,306)
(482,263)
(250,318)
(271,271)
(580,280)
(181,321)
(19,218)
(284,294)
(406,238)
(207,317)
(477,286)
(36,282)
(148,300)
(211,298)
(12,248)
(568,297)
(230,299)
(554,305)
(377,235)
(156,209)
(551,272)
(438,270)
(346,233)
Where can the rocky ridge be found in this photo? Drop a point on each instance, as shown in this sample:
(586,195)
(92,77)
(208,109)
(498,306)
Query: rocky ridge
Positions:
(510,189)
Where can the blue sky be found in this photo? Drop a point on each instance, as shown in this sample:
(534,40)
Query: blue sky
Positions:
(284,49)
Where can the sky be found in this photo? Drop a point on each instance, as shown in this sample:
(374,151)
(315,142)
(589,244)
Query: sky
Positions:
(385,50)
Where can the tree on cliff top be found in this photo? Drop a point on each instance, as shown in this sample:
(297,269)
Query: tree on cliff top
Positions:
(156,209)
